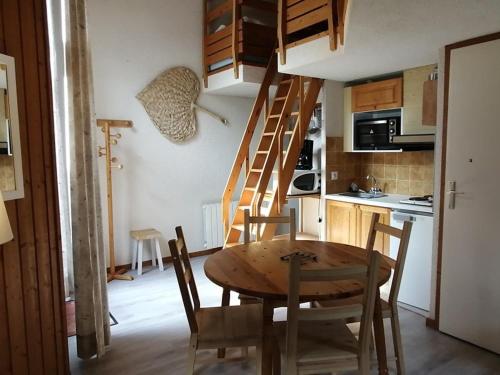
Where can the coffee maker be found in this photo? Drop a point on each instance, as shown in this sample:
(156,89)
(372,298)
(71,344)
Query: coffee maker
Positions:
(305,161)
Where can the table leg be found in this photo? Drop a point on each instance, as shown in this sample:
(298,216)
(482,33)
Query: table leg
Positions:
(267,343)
(378,327)
(226,295)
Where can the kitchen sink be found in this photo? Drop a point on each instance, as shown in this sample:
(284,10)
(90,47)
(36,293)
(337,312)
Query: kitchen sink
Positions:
(360,194)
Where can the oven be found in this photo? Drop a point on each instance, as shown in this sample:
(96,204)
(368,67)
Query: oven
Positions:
(377,133)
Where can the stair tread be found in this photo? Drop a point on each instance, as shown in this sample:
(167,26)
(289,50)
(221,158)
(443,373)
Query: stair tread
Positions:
(231,244)
(239,227)
(286,81)
(275,116)
(256,170)
(262,152)
(288,132)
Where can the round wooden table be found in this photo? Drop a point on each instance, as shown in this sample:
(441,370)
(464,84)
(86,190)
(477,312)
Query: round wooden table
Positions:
(256,269)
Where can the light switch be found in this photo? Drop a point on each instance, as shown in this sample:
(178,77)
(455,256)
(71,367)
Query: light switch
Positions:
(334,175)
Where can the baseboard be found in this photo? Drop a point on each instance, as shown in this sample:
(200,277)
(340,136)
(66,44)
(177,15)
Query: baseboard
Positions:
(168,259)
(432,323)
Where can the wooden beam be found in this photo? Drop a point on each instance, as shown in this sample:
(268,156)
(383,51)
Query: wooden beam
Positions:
(235,35)
(282,30)
(114,123)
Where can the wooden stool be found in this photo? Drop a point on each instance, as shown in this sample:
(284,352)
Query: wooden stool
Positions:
(139,236)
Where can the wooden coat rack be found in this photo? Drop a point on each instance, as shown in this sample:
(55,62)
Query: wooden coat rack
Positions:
(112,162)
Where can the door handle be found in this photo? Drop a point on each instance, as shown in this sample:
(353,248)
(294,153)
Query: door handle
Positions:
(452,193)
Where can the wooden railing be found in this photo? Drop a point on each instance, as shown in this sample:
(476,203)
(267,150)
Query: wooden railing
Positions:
(261,102)
(239,40)
(300,21)
(277,148)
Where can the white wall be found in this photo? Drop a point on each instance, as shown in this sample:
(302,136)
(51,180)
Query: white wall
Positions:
(162,184)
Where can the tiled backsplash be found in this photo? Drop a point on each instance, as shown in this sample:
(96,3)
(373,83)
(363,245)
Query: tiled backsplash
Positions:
(409,173)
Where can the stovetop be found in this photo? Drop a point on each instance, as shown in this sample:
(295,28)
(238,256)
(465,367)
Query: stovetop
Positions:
(426,200)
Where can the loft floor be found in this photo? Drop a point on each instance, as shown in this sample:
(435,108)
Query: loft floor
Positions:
(152,335)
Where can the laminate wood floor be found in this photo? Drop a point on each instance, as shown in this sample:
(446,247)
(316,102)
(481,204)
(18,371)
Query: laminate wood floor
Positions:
(152,335)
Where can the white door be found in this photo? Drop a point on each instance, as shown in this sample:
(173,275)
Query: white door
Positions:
(470,277)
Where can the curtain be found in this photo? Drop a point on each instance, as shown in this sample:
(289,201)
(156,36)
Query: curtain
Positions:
(57,42)
(92,316)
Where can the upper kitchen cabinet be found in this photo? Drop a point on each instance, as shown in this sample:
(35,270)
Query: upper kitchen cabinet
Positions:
(420,100)
(376,96)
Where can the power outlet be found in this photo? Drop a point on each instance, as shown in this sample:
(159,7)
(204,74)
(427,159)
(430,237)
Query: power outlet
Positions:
(334,175)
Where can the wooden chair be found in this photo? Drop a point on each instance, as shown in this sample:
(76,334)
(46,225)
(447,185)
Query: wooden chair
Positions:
(389,307)
(213,327)
(317,340)
(258,220)
(245,299)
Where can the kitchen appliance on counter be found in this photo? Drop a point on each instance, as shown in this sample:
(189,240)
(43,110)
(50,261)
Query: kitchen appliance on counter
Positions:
(305,161)
(426,201)
(385,130)
(376,134)
(415,290)
(305,182)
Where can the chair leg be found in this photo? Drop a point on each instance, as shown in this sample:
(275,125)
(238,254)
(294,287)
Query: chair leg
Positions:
(191,354)
(152,248)
(398,344)
(276,359)
(226,299)
(135,245)
(364,365)
(258,358)
(158,254)
(244,349)
(139,257)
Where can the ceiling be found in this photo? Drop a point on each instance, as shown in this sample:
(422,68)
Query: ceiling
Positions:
(384,36)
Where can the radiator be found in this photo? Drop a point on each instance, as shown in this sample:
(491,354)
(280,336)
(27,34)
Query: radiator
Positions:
(213,231)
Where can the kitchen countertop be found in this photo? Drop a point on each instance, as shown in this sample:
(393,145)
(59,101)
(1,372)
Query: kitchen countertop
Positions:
(389,201)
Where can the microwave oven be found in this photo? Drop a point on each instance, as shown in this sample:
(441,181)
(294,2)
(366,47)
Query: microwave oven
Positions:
(377,133)
(305,182)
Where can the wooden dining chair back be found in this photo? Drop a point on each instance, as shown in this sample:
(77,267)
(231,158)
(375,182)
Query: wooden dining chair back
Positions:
(397,264)
(185,278)
(213,327)
(390,308)
(258,220)
(337,357)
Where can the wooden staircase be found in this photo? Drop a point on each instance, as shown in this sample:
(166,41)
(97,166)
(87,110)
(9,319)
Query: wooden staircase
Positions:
(285,128)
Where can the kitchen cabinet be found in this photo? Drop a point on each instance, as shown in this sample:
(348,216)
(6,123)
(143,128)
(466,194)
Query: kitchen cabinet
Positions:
(341,220)
(349,223)
(429,105)
(420,101)
(348,119)
(379,95)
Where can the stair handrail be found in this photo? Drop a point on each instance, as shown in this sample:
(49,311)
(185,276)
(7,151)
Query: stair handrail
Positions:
(297,140)
(275,142)
(244,149)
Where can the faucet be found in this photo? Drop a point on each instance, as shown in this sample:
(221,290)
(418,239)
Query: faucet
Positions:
(374,189)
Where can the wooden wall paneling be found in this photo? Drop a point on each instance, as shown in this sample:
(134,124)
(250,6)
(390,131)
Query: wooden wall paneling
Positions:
(27,249)
(5,364)
(14,296)
(31,287)
(48,136)
(32,72)
(34,68)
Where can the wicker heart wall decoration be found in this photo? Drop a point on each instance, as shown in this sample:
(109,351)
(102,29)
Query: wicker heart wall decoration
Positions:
(170,102)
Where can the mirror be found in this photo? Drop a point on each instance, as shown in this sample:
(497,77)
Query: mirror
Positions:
(11,174)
